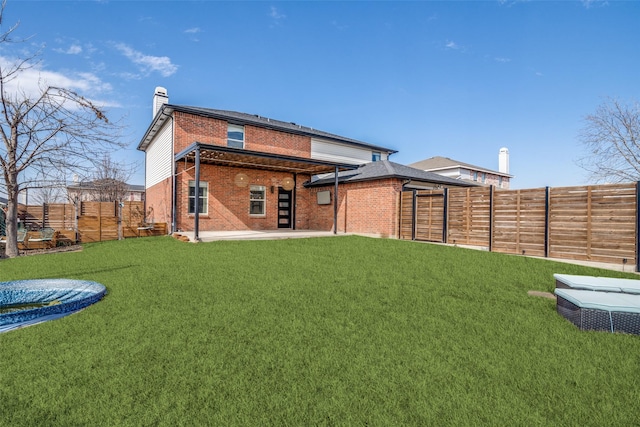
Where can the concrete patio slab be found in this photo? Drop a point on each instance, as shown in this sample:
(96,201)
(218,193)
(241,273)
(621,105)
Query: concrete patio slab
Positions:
(212,236)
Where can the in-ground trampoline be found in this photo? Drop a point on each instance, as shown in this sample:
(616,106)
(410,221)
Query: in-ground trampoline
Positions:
(27,302)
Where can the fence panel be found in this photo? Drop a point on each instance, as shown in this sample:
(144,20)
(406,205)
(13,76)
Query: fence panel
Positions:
(60,216)
(406,215)
(594,223)
(519,221)
(132,217)
(97,221)
(469,216)
(89,228)
(430,215)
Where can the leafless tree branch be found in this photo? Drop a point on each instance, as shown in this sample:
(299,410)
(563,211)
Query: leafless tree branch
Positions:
(611,137)
(54,132)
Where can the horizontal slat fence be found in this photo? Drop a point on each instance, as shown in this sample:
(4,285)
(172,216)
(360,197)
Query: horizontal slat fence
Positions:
(597,223)
(96,221)
(593,223)
(469,216)
(519,222)
(406,215)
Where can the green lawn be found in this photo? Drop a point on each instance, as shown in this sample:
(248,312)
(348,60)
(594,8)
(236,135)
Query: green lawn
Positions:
(325,331)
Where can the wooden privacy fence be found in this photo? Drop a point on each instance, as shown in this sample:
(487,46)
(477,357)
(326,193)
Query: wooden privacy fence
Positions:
(594,223)
(92,221)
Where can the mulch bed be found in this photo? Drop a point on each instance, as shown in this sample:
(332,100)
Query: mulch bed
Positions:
(58,249)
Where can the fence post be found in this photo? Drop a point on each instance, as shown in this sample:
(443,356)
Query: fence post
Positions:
(637,226)
(445,214)
(119,213)
(414,213)
(546,222)
(491,218)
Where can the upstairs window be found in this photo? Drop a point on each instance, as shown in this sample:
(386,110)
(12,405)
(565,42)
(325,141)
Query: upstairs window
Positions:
(376,156)
(235,136)
(257,200)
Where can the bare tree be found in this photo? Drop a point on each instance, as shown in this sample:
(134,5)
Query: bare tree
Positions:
(110,180)
(611,137)
(47,195)
(54,129)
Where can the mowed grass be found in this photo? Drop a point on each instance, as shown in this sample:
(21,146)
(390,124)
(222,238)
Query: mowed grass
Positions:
(325,331)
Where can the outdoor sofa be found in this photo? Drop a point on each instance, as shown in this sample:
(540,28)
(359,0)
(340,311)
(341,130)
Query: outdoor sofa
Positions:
(602,311)
(602,284)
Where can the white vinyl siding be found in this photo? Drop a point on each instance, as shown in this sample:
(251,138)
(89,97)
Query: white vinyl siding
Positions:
(159,156)
(341,153)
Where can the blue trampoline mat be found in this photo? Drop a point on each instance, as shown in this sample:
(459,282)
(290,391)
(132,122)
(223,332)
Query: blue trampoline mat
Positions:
(45,299)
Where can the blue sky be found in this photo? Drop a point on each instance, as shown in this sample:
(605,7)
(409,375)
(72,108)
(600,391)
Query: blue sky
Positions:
(454,79)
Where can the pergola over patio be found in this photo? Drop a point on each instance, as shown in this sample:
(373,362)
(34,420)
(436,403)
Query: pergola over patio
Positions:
(200,153)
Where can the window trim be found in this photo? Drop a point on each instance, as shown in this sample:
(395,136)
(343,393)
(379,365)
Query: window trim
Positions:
(262,188)
(233,125)
(204,200)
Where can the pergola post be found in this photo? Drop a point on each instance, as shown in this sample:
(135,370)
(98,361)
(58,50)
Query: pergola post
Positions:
(196,207)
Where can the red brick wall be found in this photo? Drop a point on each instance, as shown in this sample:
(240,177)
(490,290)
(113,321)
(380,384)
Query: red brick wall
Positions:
(228,204)
(190,128)
(158,202)
(366,207)
(369,207)
(272,141)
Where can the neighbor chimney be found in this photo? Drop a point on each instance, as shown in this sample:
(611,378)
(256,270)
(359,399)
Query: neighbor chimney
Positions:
(503,161)
(159,99)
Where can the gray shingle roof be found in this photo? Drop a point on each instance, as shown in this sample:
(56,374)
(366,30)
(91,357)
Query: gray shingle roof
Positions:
(386,169)
(438,162)
(257,120)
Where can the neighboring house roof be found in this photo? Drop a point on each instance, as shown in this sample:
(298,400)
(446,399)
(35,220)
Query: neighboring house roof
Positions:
(249,119)
(89,185)
(386,169)
(3,201)
(442,163)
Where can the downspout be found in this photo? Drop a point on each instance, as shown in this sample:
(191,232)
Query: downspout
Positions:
(196,210)
(174,205)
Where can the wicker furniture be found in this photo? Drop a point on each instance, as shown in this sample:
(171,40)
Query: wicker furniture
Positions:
(600,311)
(592,283)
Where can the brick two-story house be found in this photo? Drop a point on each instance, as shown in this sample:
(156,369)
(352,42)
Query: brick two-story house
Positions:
(256,173)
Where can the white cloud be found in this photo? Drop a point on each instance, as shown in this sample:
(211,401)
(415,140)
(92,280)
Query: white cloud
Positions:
(594,3)
(74,49)
(194,30)
(451,45)
(502,60)
(338,26)
(31,81)
(276,16)
(148,63)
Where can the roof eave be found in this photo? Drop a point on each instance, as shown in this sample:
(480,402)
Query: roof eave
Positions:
(165,111)
(274,126)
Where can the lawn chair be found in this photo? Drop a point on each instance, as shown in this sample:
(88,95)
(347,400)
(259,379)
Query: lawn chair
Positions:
(21,237)
(44,236)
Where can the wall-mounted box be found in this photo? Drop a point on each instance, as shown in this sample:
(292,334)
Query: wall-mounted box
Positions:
(324,197)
